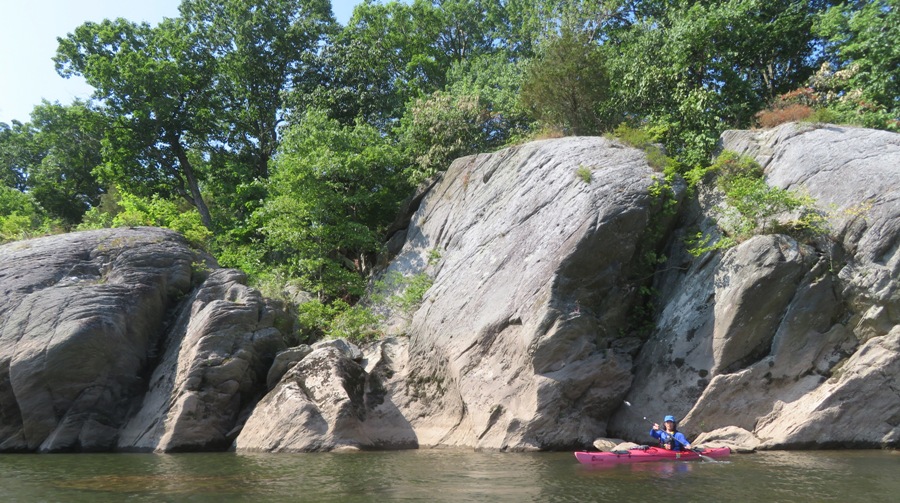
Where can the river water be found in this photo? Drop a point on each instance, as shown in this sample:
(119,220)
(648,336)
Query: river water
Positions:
(446,476)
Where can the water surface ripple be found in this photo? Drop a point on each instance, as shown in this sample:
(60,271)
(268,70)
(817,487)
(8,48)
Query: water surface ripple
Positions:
(445,476)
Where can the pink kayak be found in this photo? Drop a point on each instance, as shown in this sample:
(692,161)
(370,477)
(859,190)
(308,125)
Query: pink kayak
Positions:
(648,454)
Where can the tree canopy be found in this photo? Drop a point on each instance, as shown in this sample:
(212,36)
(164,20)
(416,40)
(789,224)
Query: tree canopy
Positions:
(292,140)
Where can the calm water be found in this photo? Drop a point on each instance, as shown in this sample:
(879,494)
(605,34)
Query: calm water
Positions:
(446,475)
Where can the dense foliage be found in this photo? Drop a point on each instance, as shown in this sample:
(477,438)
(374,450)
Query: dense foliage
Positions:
(284,142)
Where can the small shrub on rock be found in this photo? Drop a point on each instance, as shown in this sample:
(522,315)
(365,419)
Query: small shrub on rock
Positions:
(584,173)
(751,206)
(791,113)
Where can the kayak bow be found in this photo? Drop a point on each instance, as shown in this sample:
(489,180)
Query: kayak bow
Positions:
(647,454)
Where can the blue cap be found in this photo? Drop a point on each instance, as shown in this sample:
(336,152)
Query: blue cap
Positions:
(669,418)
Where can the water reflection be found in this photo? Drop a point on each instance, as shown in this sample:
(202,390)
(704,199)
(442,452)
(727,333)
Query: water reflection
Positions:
(445,476)
(150,473)
(662,468)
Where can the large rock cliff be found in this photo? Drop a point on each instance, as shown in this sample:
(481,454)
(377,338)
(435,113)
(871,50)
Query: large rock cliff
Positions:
(793,343)
(519,342)
(117,340)
(532,334)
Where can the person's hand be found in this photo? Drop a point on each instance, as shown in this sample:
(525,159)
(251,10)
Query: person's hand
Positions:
(655,426)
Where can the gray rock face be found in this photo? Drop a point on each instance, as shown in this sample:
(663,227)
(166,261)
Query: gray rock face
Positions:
(284,361)
(791,343)
(214,366)
(86,317)
(722,317)
(857,406)
(328,401)
(516,344)
(80,315)
(853,174)
(735,438)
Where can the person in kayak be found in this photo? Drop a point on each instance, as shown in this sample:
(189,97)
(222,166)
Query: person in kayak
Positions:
(670,438)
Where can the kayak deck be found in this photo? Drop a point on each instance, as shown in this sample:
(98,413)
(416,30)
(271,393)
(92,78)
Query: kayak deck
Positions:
(645,455)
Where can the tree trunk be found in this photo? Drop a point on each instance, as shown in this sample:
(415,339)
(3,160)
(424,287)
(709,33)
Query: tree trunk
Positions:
(193,186)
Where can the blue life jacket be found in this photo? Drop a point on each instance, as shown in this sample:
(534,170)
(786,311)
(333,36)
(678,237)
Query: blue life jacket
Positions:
(675,441)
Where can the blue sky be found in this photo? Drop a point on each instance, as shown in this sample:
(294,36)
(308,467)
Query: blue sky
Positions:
(28,32)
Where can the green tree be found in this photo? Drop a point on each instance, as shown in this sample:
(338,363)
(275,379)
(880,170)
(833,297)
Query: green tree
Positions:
(157,87)
(567,85)
(479,111)
(53,158)
(465,29)
(381,60)
(438,129)
(18,152)
(262,49)
(496,79)
(863,40)
(695,68)
(393,53)
(334,189)
(121,209)
(21,217)
(527,24)
(771,45)
(63,182)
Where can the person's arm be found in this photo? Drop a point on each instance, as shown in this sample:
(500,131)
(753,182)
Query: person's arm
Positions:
(684,441)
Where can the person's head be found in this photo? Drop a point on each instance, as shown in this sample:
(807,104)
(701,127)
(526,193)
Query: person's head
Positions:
(670,422)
